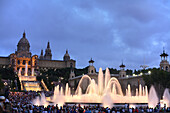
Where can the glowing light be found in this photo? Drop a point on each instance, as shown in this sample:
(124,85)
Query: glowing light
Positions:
(132,106)
(110,93)
(149,72)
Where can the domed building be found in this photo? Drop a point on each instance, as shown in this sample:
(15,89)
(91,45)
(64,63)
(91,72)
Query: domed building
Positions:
(23,47)
(26,64)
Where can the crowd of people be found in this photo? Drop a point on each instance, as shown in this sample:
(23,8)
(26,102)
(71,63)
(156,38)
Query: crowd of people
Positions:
(21,102)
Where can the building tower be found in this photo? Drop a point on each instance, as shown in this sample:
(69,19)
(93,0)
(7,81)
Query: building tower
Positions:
(41,55)
(48,54)
(164,64)
(66,56)
(91,68)
(122,72)
(72,74)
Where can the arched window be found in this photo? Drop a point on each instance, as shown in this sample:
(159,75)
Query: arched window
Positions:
(13,61)
(91,71)
(23,62)
(18,61)
(162,67)
(71,65)
(29,63)
(166,68)
(35,63)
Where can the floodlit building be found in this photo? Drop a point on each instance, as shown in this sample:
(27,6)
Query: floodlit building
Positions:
(27,65)
(124,79)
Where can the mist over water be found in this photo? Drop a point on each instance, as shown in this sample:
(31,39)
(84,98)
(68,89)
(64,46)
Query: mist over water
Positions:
(166,97)
(152,98)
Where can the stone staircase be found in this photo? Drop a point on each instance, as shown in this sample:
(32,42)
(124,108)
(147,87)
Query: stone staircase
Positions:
(29,83)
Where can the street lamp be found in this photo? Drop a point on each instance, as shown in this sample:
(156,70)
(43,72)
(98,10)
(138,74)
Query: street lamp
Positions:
(5,83)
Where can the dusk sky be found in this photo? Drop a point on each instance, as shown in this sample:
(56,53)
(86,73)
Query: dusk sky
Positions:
(108,31)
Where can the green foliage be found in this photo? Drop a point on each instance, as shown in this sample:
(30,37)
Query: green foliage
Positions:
(136,72)
(59,75)
(1,83)
(18,84)
(157,77)
(81,71)
(129,72)
(112,71)
(7,73)
(115,71)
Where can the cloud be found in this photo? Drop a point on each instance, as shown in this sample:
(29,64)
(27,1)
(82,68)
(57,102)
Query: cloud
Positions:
(106,31)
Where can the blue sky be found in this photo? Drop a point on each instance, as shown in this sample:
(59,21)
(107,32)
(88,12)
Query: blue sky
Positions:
(108,31)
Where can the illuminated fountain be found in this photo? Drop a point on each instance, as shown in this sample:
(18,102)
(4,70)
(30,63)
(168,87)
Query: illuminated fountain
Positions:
(152,98)
(32,73)
(166,98)
(29,82)
(41,100)
(107,91)
(26,69)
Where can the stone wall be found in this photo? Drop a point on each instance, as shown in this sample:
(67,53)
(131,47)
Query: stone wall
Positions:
(4,61)
(134,82)
(56,64)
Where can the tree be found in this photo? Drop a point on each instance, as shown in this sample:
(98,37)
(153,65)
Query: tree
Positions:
(159,78)
(1,84)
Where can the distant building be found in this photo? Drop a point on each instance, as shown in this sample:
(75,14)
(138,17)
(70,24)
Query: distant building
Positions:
(23,56)
(164,64)
(74,80)
(124,79)
(27,65)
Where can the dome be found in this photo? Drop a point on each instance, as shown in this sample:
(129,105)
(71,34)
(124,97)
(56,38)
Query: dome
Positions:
(23,40)
(23,44)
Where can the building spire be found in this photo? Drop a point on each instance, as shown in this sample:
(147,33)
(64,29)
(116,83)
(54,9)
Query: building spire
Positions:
(48,45)
(91,61)
(24,34)
(66,56)
(66,51)
(41,52)
(163,49)
(48,54)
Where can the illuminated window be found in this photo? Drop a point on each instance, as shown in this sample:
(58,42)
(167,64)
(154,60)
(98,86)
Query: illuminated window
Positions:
(166,68)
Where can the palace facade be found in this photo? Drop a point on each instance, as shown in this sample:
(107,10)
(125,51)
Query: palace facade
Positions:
(23,56)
